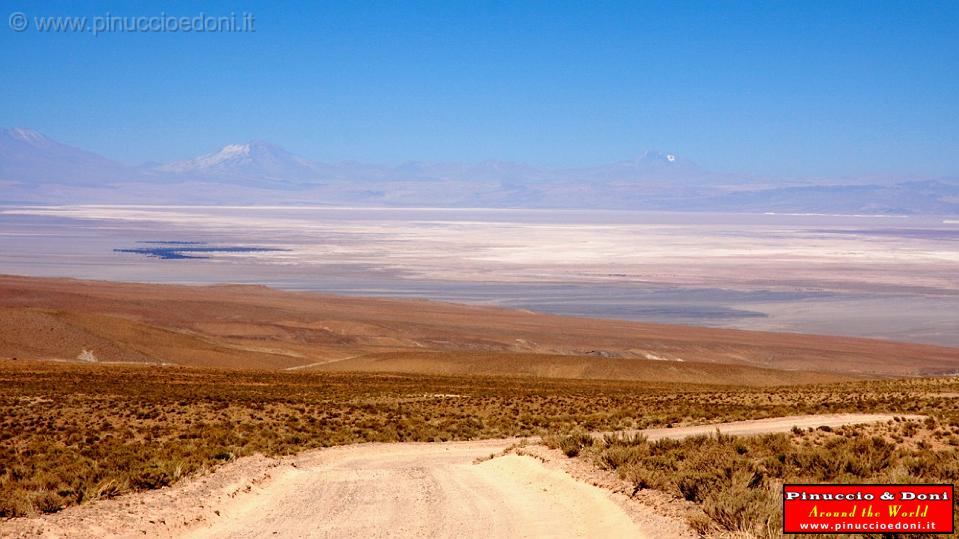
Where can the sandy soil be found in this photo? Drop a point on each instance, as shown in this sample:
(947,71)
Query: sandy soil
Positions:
(258,327)
(423,490)
(771,425)
(396,490)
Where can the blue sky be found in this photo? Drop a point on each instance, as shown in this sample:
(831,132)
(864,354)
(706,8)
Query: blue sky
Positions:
(778,89)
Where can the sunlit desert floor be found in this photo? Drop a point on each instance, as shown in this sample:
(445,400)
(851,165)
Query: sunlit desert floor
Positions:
(875,276)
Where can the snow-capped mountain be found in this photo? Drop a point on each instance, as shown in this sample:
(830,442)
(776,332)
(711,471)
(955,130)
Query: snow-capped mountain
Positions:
(30,157)
(253,161)
(652,166)
(37,169)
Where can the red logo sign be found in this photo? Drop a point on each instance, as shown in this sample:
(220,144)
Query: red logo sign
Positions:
(868,508)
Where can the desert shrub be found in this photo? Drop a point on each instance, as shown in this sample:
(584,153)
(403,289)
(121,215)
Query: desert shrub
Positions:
(745,504)
(737,481)
(618,456)
(79,433)
(644,478)
(14,503)
(569,444)
(47,502)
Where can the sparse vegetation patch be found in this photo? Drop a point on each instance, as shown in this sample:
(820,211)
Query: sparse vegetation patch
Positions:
(737,481)
(70,433)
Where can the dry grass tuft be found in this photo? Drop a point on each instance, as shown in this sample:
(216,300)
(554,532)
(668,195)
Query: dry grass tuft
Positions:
(70,433)
(737,481)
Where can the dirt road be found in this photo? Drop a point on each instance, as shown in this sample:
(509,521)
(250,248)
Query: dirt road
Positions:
(766,426)
(386,490)
(423,490)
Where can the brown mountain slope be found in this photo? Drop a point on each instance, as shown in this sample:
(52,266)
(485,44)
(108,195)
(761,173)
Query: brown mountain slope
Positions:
(258,327)
(579,367)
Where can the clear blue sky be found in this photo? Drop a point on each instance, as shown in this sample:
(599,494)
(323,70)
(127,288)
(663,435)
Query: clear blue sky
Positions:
(783,89)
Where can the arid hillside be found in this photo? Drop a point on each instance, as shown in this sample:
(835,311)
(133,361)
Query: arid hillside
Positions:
(258,327)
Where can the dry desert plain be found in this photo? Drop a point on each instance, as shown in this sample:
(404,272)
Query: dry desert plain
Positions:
(881,276)
(211,411)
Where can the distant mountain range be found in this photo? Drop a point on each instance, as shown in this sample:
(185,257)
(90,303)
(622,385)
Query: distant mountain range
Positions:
(29,157)
(37,169)
(254,162)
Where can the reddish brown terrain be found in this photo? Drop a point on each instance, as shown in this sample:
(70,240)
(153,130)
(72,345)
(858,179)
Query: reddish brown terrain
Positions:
(258,327)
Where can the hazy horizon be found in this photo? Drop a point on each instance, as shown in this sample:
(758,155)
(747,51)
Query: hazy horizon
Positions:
(779,92)
(640,154)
